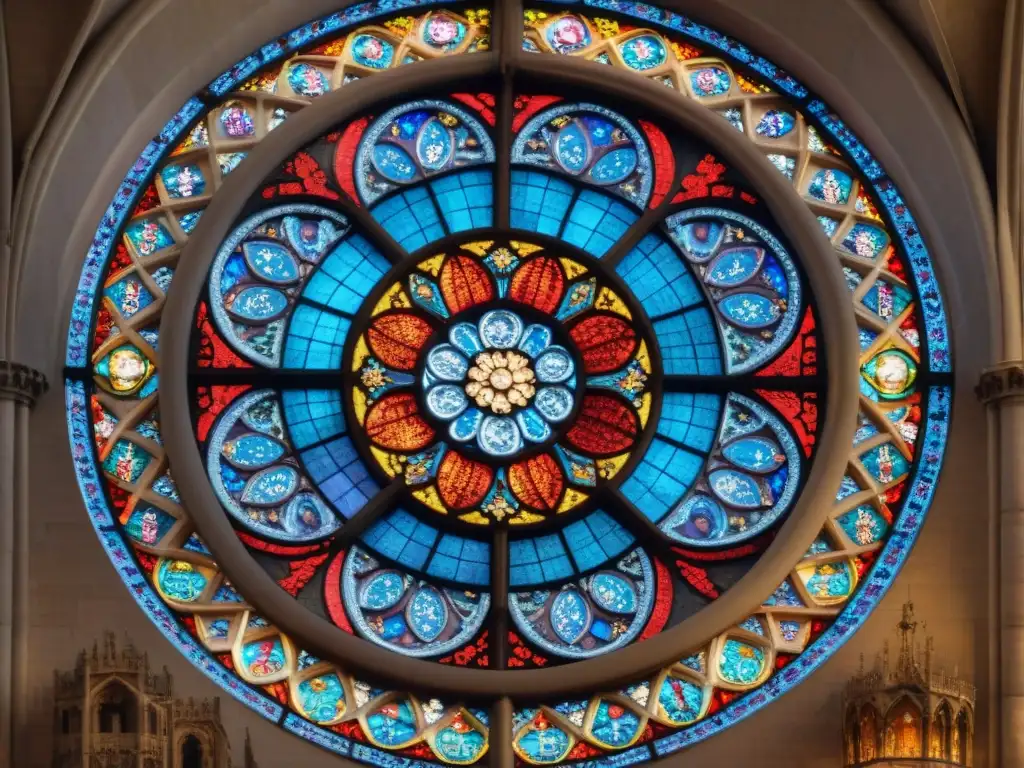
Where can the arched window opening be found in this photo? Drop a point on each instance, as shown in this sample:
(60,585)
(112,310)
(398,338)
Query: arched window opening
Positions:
(903,730)
(939,736)
(191,752)
(960,749)
(868,727)
(852,735)
(153,720)
(117,710)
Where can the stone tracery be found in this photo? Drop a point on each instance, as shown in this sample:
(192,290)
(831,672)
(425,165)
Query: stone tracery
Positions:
(828,186)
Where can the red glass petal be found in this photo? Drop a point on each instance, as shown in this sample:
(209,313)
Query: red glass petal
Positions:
(605,425)
(664,162)
(537,482)
(800,410)
(461,482)
(464,283)
(394,423)
(606,341)
(539,283)
(801,358)
(397,339)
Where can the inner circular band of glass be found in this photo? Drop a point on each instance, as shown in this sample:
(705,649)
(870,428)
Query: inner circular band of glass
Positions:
(601,407)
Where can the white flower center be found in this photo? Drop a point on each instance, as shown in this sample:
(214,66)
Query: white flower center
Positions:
(500,380)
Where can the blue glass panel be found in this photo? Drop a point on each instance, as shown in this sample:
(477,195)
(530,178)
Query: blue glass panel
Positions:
(464,560)
(690,419)
(596,222)
(403,538)
(539,202)
(532,561)
(130,295)
(341,476)
(347,275)
(313,415)
(411,218)
(466,200)
(596,539)
(315,339)
(661,479)
(654,266)
(689,344)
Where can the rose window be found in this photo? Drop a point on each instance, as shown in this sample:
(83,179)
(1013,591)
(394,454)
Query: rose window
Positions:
(502,405)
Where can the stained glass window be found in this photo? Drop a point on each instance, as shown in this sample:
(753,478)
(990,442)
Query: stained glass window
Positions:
(490,378)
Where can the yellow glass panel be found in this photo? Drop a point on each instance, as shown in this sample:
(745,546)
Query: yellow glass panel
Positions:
(394,298)
(524,249)
(607,27)
(525,518)
(645,410)
(475,518)
(429,497)
(360,354)
(502,258)
(388,461)
(400,26)
(479,248)
(644,357)
(432,265)
(534,18)
(610,301)
(573,499)
(573,269)
(359,405)
(609,468)
(481,16)
(866,206)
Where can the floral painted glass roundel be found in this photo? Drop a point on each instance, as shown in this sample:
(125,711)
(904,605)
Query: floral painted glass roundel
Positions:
(503,384)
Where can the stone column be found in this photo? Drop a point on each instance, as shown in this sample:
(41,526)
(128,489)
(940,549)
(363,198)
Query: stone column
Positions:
(1002,387)
(20,386)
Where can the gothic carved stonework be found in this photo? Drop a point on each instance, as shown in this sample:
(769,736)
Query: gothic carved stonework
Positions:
(908,713)
(20,383)
(1007,380)
(113,711)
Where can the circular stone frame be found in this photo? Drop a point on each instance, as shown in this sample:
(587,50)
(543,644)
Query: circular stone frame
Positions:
(330,642)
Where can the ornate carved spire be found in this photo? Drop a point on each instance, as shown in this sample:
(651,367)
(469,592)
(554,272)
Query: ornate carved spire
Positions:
(906,663)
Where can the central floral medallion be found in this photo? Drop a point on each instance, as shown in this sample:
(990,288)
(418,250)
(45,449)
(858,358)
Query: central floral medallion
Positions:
(500,383)
(503,382)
